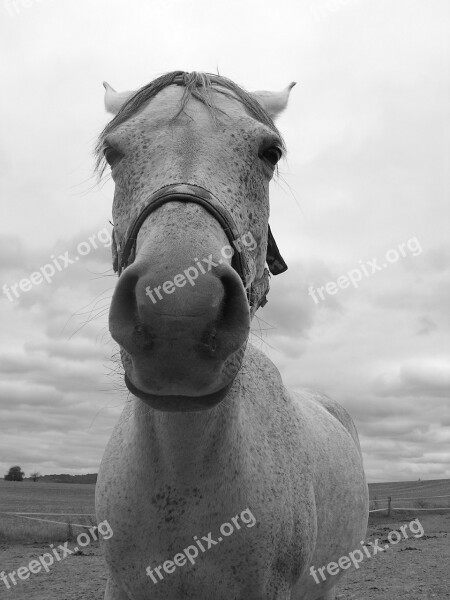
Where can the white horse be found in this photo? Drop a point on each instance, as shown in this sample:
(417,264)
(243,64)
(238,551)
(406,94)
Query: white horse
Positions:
(218,482)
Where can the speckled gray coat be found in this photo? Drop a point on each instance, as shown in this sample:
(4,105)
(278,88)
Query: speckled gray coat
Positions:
(171,479)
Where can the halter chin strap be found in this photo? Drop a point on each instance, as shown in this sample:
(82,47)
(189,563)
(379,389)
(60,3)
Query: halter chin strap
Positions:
(123,255)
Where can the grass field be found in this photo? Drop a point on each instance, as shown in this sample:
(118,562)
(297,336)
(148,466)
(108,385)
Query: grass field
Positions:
(62,498)
(406,489)
(78,499)
(411,494)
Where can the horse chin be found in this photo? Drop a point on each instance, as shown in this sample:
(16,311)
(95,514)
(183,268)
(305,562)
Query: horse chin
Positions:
(201,393)
(179,403)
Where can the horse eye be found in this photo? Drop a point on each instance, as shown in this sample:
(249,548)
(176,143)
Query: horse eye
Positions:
(112,156)
(272,154)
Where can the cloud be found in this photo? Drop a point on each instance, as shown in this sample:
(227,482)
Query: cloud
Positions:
(365,172)
(428,376)
(427,325)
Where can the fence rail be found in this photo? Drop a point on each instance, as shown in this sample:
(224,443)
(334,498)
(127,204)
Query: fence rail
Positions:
(409,498)
(389,508)
(24,515)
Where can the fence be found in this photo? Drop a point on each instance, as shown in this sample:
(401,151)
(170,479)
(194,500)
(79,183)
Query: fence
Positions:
(25,515)
(421,502)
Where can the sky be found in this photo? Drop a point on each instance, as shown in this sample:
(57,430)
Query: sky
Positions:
(360,212)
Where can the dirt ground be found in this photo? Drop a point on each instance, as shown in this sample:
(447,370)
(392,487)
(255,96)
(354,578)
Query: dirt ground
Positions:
(81,577)
(414,569)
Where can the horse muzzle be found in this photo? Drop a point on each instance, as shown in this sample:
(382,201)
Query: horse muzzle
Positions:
(184,337)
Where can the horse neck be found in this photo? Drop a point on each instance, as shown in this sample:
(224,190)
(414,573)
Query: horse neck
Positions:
(192,443)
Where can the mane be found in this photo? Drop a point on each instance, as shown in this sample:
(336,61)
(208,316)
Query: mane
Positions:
(196,85)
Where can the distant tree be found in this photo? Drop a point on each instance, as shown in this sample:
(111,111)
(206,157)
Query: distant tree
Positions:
(14,474)
(35,476)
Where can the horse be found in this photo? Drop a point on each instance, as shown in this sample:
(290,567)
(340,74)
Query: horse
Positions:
(217,482)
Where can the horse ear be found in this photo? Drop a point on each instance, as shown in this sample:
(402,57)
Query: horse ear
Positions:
(273,102)
(114,100)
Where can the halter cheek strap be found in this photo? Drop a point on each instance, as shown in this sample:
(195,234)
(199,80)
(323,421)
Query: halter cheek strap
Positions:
(123,255)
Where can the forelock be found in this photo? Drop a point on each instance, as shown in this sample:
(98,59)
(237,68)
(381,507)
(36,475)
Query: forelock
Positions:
(196,85)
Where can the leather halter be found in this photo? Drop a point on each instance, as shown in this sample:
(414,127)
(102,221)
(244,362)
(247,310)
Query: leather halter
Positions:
(124,255)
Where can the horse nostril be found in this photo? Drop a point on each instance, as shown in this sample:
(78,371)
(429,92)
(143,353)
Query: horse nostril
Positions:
(123,322)
(142,338)
(208,341)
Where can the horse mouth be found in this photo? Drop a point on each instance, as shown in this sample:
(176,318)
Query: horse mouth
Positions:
(178,403)
(180,397)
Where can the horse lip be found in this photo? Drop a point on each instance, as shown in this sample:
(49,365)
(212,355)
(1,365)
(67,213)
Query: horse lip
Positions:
(178,403)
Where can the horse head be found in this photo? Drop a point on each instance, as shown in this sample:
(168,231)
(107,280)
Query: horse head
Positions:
(191,156)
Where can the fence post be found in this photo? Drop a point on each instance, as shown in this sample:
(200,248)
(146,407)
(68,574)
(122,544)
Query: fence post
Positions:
(69,532)
(389,506)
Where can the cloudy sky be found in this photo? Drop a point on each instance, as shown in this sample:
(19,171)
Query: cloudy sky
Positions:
(364,191)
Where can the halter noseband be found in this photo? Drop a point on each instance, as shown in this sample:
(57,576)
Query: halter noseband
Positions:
(123,255)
